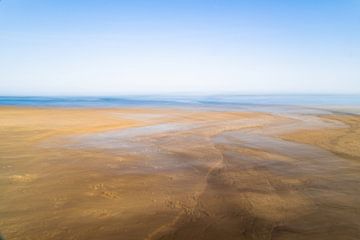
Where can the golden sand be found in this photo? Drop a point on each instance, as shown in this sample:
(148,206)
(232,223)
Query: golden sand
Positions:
(74,174)
(344,141)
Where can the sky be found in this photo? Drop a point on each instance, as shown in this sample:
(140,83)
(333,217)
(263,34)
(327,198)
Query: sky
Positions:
(179,46)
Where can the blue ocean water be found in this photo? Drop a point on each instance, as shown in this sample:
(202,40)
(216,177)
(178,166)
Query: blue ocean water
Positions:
(166,100)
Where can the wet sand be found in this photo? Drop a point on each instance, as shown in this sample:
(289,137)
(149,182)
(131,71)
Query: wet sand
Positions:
(178,174)
(343,142)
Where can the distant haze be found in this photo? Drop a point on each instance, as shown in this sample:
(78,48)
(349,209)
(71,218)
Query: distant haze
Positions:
(131,47)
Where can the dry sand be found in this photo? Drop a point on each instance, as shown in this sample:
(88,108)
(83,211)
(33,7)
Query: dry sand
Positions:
(177,174)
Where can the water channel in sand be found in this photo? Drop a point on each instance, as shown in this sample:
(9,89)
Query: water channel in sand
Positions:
(209,174)
(310,167)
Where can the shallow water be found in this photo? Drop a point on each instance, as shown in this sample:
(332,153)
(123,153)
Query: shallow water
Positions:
(222,101)
(224,176)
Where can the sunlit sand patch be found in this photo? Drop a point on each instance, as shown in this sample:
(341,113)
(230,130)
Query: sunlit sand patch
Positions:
(279,207)
(24,178)
(60,201)
(96,213)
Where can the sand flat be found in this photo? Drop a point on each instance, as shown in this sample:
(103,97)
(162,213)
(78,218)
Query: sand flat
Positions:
(344,142)
(137,173)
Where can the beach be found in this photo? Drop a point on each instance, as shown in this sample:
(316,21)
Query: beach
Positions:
(178,173)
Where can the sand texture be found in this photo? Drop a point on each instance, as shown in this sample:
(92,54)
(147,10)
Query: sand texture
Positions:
(161,173)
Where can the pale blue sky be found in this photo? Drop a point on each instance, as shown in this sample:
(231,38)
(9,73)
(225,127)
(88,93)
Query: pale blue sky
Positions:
(209,46)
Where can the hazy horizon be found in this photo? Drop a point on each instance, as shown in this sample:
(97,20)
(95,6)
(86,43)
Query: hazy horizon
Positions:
(185,94)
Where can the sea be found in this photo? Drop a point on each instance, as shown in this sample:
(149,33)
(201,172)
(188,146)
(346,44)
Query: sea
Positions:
(232,101)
